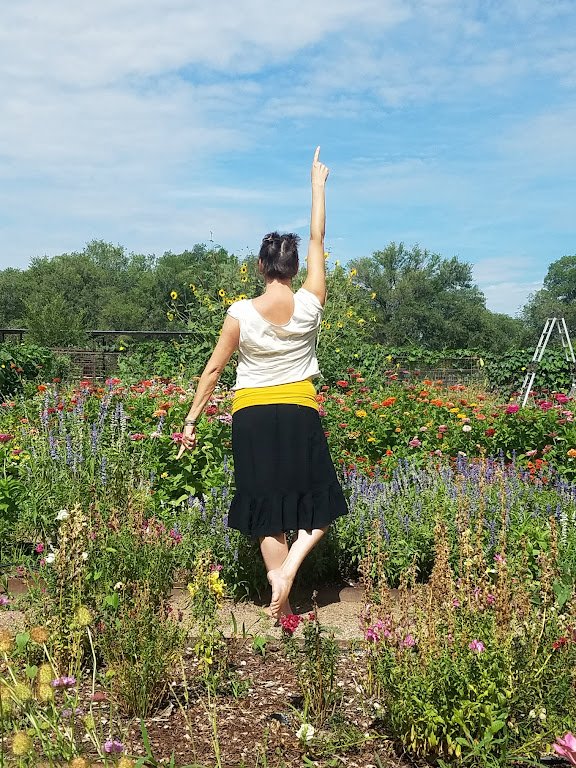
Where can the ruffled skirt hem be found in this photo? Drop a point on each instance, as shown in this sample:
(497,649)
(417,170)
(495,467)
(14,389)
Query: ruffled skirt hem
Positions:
(271,514)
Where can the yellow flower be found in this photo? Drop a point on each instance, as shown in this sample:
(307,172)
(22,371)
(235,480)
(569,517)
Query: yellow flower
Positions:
(39,635)
(83,616)
(326,325)
(170,316)
(453,410)
(373,295)
(326,255)
(461,416)
(6,641)
(192,287)
(397,429)
(243,279)
(173,295)
(243,269)
(361,413)
(22,692)
(350,313)
(371,439)
(353,272)
(45,692)
(221,293)
(340,325)
(21,743)
(45,674)
(361,321)
(242,296)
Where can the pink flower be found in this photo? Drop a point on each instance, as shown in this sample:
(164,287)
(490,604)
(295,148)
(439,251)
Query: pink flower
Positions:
(409,641)
(566,746)
(39,548)
(137,436)
(500,559)
(4,438)
(442,428)
(490,598)
(531,453)
(456,603)
(512,408)
(4,601)
(560,398)
(545,405)
(477,646)
(177,437)
(414,443)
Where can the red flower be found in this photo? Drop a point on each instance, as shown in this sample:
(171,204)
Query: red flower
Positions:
(559,643)
(490,432)
(290,623)
(342,383)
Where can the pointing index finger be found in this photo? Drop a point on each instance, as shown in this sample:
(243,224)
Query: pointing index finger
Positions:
(316,154)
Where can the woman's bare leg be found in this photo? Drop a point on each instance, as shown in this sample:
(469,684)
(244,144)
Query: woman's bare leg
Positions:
(281,578)
(275,551)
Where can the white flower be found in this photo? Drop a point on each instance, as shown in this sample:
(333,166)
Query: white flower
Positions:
(466,428)
(50,557)
(63,514)
(305,732)
(84,555)
(118,586)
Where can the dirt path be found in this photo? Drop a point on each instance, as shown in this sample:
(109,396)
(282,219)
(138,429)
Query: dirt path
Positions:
(338,608)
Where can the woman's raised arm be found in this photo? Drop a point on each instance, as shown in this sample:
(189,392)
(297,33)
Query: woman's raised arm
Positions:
(316,269)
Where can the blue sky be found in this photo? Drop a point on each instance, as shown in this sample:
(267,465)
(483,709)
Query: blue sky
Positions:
(157,125)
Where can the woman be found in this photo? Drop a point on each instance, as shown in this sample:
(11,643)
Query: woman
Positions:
(285,478)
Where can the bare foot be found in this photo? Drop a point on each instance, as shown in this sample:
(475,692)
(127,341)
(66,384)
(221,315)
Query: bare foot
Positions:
(281,586)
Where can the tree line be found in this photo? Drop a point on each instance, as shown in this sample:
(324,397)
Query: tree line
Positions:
(408,296)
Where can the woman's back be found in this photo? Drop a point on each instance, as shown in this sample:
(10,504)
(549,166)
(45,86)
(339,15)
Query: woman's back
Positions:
(276,306)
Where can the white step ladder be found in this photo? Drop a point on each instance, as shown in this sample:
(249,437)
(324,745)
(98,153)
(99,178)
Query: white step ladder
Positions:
(531,370)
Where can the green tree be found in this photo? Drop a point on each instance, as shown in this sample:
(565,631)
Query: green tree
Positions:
(557,297)
(421,298)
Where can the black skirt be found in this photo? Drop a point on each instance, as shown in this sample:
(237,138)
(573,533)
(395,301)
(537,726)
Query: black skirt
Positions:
(285,478)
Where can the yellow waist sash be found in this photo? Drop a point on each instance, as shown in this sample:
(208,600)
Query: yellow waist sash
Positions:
(297,393)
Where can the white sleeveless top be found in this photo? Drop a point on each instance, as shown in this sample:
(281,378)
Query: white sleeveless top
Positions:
(270,354)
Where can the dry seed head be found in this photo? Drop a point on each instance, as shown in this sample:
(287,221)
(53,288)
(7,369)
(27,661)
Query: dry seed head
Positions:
(6,641)
(79,762)
(39,635)
(125,762)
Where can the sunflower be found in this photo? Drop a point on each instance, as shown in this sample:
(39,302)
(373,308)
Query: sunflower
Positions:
(221,293)
(244,279)
(173,295)
(192,287)
(243,269)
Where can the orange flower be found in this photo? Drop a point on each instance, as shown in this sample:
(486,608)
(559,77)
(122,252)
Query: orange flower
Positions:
(572,453)
(41,388)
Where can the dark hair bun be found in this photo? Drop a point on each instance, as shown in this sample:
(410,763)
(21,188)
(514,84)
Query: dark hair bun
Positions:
(279,255)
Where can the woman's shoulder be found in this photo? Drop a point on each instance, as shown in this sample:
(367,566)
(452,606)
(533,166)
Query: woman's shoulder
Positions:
(239,308)
(308,299)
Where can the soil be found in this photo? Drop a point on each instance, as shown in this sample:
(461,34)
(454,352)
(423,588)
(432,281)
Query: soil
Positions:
(256,723)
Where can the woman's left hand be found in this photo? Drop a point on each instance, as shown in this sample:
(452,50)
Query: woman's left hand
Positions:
(189,439)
